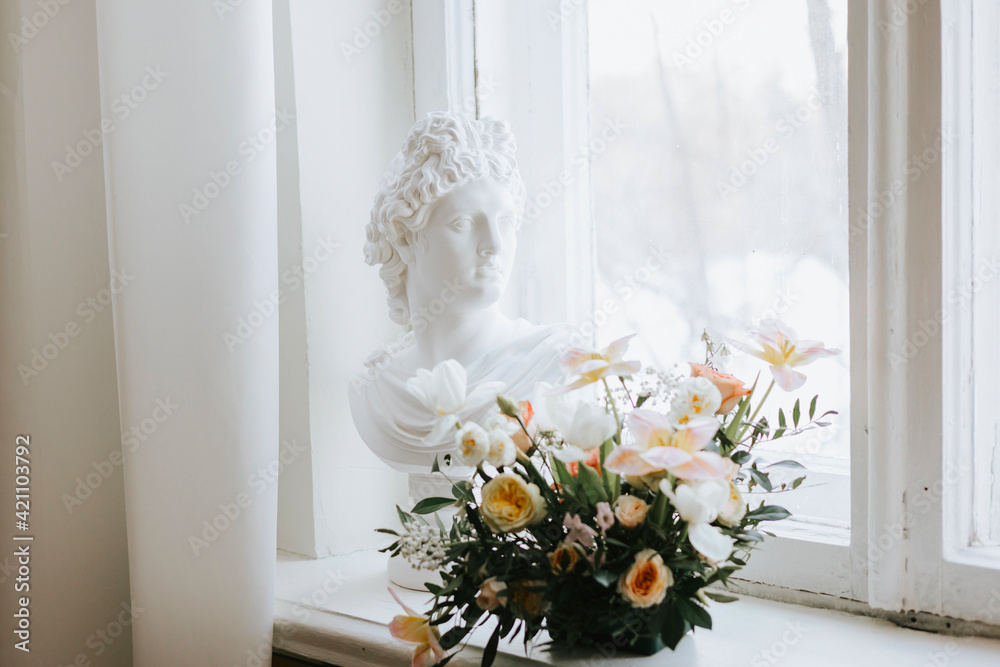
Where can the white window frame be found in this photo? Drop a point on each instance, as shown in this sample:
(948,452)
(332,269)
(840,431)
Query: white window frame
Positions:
(905,257)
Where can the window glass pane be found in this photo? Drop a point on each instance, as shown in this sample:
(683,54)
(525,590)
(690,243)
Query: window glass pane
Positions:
(726,153)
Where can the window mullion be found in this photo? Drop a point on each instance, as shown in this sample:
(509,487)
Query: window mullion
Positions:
(904,295)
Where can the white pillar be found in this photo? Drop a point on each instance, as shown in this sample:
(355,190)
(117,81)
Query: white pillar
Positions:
(191,187)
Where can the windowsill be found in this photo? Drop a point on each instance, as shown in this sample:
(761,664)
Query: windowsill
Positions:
(336,610)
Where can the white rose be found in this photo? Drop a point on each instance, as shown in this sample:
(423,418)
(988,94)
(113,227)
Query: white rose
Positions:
(696,397)
(473,444)
(734,510)
(502,450)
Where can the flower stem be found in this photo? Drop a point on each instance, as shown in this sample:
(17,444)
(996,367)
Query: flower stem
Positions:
(614,408)
(743,430)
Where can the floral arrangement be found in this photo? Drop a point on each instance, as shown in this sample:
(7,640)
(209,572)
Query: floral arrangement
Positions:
(604,509)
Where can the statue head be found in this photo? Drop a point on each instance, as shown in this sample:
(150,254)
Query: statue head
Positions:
(449,205)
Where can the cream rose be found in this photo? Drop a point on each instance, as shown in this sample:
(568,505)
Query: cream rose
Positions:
(735,509)
(730,387)
(645,584)
(510,503)
(630,510)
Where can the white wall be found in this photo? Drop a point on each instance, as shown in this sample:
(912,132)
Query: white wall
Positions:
(353,112)
(53,257)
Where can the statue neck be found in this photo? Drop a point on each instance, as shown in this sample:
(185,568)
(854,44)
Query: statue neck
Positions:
(461,335)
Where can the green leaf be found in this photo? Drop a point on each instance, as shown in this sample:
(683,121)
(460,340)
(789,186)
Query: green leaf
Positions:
(720,597)
(768,513)
(428,505)
(435,467)
(781,418)
(797,482)
(592,484)
(694,613)
(674,627)
(641,399)
(795,413)
(404,518)
(812,406)
(761,478)
(386,531)
(787,463)
(740,457)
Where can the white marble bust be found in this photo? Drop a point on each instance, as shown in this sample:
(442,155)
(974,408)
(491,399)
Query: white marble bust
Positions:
(443,230)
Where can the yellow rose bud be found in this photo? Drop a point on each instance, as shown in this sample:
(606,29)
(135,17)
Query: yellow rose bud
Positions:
(566,557)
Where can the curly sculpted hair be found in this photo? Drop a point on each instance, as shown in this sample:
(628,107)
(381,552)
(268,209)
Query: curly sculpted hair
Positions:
(443,151)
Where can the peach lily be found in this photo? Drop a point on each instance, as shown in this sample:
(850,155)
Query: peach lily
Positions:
(589,366)
(660,445)
(414,628)
(780,347)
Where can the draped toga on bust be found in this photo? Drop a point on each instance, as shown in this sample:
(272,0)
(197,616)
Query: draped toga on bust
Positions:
(393,423)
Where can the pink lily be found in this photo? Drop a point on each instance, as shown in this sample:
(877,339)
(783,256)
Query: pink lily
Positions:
(414,628)
(594,365)
(780,347)
(661,446)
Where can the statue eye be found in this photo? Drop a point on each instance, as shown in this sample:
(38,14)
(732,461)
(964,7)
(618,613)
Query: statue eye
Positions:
(461,224)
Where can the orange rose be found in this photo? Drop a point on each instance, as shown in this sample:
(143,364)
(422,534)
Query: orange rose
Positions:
(731,387)
(645,584)
(523,602)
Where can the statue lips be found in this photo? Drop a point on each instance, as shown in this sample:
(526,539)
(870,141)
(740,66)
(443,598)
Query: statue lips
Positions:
(492,271)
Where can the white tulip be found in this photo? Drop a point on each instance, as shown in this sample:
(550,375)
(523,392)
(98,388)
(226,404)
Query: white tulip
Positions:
(444,392)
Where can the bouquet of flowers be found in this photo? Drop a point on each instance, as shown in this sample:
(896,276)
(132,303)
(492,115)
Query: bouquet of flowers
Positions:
(607,511)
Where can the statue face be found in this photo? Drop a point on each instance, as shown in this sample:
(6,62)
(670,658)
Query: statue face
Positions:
(470,241)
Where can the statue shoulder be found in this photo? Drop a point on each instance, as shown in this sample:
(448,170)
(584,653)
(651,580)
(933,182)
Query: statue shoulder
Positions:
(383,359)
